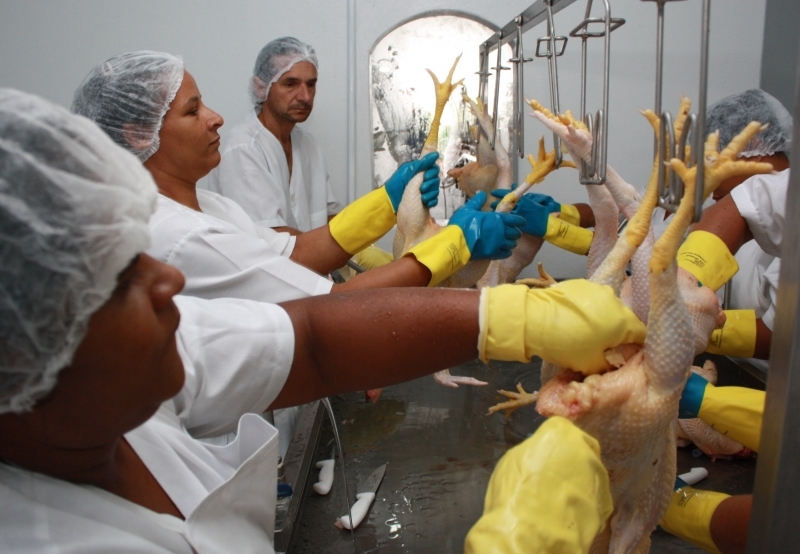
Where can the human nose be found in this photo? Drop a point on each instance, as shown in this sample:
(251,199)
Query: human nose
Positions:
(215,120)
(305,93)
(168,281)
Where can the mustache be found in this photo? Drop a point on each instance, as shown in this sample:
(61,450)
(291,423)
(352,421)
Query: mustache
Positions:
(303,105)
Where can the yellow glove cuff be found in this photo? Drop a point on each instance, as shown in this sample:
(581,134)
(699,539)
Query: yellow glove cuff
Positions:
(364,221)
(570,214)
(707,257)
(570,324)
(689,516)
(736,412)
(548,494)
(737,337)
(568,236)
(372,257)
(444,253)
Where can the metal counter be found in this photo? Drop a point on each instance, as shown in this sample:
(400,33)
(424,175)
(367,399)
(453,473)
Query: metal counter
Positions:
(441,449)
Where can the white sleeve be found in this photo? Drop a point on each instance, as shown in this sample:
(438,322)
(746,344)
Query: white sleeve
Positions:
(761,201)
(237,355)
(245,176)
(220,264)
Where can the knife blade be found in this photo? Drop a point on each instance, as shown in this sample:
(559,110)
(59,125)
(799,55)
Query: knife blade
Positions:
(325,480)
(364,499)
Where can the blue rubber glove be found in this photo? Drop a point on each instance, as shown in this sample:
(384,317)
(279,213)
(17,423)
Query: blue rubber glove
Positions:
(536,215)
(543,199)
(429,189)
(489,235)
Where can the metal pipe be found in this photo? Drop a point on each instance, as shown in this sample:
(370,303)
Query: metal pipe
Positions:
(552,72)
(700,128)
(497,74)
(518,60)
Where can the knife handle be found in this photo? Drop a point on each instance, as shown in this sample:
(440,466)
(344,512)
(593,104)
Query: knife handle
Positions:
(323,485)
(359,509)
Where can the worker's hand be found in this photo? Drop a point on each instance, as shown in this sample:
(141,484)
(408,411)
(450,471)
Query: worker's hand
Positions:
(737,337)
(570,324)
(471,234)
(707,257)
(549,494)
(489,235)
(569,213)
(689,516)
(535,214)
(429,190)
(736,412)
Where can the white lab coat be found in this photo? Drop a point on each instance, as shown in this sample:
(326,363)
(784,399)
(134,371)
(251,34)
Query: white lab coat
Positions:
(255,174)
(226,494)
(223,253)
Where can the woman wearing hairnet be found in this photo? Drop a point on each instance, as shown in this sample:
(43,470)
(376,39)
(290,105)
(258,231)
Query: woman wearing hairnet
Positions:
(149,104)
(107,377)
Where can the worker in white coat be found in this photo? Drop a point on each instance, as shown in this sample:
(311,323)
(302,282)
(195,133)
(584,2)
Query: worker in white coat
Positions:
(150,105)
(106,380)
(270,166)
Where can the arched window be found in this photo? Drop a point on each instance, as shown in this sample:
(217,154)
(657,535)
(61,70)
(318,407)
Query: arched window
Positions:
(403,98)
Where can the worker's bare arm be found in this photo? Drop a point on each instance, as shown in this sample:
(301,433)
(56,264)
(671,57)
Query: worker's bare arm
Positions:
(405,272)
(318,251)
(724,220)
(730,522)
(363,340)
(290,230)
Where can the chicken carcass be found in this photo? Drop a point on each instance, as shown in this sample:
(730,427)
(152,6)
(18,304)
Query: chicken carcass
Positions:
(632,411)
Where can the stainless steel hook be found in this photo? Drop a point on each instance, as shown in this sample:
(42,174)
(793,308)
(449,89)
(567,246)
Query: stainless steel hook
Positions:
(594,173)
(518,60)
(553,51)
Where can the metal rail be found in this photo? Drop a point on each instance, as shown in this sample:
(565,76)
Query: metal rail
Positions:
(776,495)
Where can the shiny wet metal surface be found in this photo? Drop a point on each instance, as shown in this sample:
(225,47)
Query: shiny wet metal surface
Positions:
(441,449)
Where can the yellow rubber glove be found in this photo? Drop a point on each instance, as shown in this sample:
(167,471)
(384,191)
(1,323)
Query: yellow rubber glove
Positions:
(569,324)
(570,237)
(737,337)
(705,256)
(364,221)
(549,494)
(444,253)
(733,411)
(689,516)
(570,214)
(372,257)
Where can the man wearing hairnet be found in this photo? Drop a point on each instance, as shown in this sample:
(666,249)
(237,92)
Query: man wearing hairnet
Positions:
(271,167)
(107,377)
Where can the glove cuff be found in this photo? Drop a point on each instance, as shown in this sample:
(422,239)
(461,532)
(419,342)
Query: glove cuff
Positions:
(364,221)
(443,254)
(689,516)
(570,214)
(502,318)
(707,257)
(372,257)
(692,397)
(736,412)
(567,236)
(737,337)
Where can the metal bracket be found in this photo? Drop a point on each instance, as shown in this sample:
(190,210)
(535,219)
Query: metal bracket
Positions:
(518,60)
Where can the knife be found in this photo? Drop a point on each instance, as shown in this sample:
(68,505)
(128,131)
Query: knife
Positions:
(325,480)
(364,499)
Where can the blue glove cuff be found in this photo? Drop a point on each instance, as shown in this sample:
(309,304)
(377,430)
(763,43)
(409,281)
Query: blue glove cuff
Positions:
(680,483)
(692,397)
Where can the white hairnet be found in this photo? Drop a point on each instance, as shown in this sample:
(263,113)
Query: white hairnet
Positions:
(732,114)
(128,95)
(73,214)
(275,59)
